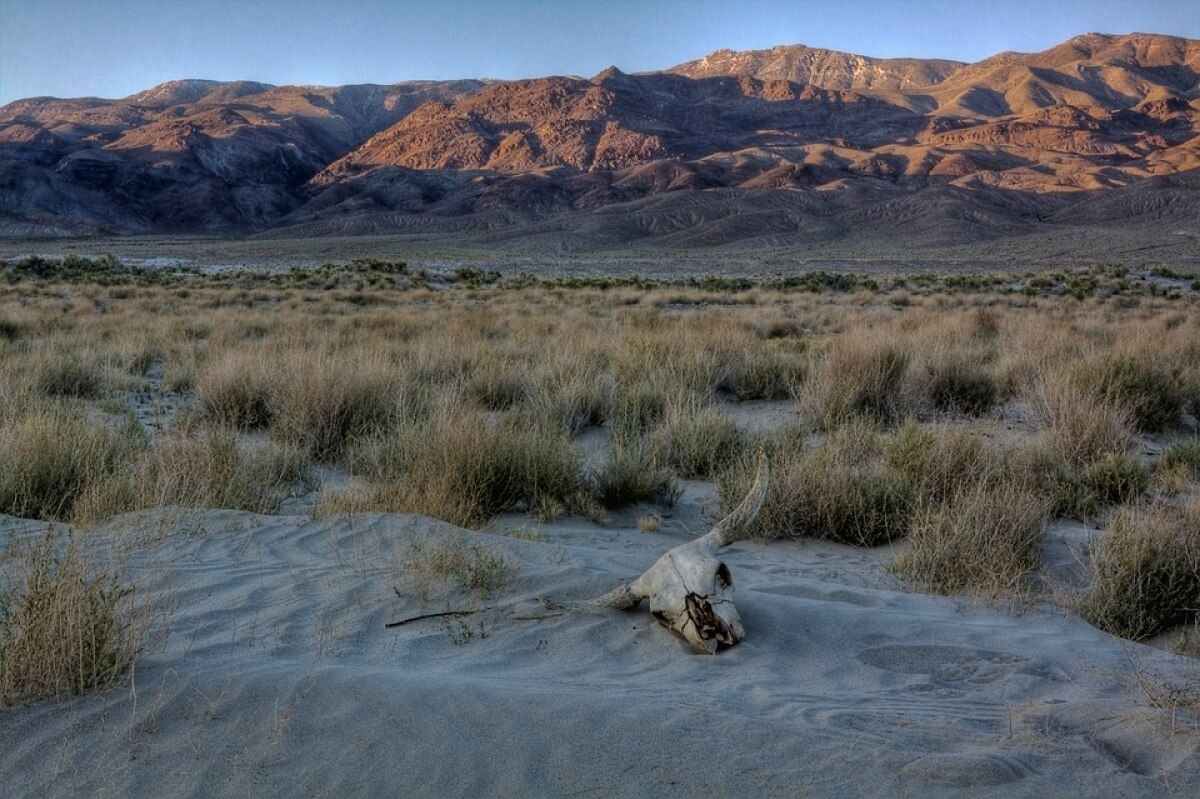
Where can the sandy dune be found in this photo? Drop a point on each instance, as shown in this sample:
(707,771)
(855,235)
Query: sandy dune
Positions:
(270,672)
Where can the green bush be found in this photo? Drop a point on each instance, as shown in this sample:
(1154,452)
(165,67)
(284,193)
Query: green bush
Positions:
(768,374)
(1183,454)
(699,440)
(1081,491)
(1146,571)
(1153,393)
(845,490)
(635,471)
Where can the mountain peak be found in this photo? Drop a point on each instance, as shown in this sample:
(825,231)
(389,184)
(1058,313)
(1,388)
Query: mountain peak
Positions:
(827,69)
(194,90)
(605,74)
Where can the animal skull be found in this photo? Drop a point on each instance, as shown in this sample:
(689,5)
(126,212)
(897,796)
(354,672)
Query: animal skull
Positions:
(690,589)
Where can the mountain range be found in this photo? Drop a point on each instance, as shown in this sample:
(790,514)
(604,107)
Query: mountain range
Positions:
(788,147)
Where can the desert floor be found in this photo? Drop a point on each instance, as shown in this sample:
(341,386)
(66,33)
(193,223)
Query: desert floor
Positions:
(266,665)
(277,677)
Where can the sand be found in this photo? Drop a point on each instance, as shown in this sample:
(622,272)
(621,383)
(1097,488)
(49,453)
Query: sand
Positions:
(269,672)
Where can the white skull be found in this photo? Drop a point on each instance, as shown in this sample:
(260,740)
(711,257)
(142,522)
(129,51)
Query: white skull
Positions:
(689,588)
(691,592)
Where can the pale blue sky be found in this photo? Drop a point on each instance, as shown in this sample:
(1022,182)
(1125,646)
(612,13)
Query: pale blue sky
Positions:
(112,48)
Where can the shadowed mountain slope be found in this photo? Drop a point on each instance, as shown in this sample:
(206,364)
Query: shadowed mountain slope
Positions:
(787,147)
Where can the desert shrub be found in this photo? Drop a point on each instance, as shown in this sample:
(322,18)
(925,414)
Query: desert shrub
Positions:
(845,490)
(696,361)
(939,463)
(48,459)
(1146,571)
(11,330)
(698,440)
(768,373)
(1115,478)
(986,538)
(69,375)
(135,357)
(635,471)
(62,631)
(499,388)
(204,470)
(234,389)
(958,381)
(1152,392)
(323,405)
(985,324)
(859,374)
(1079,491)
(1079,425)
(650,523)
(1183,454)
(456,467)
(179,375)
(638,407)
(570,392)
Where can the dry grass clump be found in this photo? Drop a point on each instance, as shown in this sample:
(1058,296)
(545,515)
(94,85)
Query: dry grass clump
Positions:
(1112,479)
(939,463)
(62,631)
(326,402)
(68,374)
(698,439)
(640,406)
(768,373)
(650,523)
(1183,455)
(1078,424)
(457,467)
(954,360)
(1152,391)
(697,359)
(985,538)
(50,456)
(1146,570)
(1079,491)
(572,391)
(958,381)
(234,388)
(179,376)
(204,469)
(499,385)
(11,330)
(319,401)
(472,568)
(635,471)
(845,490)
(861,373)
(58,466)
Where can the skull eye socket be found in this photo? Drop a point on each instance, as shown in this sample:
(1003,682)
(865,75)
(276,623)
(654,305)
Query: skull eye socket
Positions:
(724,578)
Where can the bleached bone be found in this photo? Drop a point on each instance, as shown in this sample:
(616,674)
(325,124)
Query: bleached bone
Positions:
(689,588)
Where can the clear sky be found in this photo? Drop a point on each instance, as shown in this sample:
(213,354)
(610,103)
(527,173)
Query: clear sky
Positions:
(112,48)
